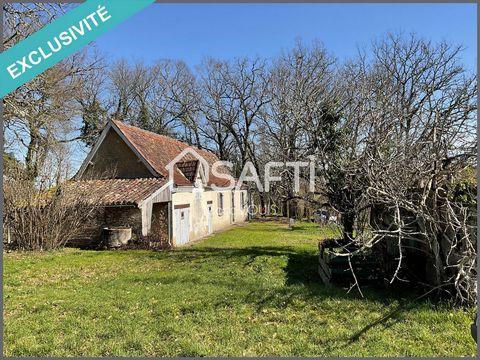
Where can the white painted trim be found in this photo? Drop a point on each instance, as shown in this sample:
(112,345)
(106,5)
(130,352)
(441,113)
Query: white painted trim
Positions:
(201,173)
(155,193)
(146,213)
(180,189)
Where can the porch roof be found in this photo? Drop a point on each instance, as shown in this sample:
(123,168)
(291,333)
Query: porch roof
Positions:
(115,191)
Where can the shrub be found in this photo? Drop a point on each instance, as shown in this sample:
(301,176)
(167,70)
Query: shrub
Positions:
(40,218)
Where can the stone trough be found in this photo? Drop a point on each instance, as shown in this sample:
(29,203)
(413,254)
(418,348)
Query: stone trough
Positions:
(117,236)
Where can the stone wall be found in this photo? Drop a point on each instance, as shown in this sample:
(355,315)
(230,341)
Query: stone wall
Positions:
(125,216)
(159,230)
(92,231)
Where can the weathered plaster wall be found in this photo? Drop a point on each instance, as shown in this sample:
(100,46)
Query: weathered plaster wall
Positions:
(198,202)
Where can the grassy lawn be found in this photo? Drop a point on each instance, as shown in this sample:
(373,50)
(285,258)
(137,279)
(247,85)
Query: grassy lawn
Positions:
(250,291)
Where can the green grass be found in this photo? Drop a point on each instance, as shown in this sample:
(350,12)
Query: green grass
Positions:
(250,291)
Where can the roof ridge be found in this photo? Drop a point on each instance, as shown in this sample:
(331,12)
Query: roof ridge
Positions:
(136,128)
(123,179)
(157,151)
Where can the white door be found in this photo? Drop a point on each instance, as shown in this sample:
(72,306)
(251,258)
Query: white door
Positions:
(209,218)
(183,225)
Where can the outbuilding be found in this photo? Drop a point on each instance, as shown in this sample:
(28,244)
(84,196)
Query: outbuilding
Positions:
(162,188)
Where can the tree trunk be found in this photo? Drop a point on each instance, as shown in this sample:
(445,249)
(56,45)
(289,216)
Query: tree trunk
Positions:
(31,159)
(262,203)
(348,220)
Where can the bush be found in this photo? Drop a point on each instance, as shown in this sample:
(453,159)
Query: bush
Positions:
(40,218)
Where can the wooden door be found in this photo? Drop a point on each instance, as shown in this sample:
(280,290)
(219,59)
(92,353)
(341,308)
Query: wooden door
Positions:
(182,217)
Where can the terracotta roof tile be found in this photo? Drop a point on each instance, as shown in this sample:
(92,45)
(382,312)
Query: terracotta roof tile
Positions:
(160,150)
(115,191)
(188,169)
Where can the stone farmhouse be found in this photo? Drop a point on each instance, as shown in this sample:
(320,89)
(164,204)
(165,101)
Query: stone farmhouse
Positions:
(158,186)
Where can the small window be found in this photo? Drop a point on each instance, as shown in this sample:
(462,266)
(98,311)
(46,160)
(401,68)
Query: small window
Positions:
(242,199)
(220,204)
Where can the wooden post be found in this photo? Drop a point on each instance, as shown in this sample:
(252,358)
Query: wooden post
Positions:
(288,213)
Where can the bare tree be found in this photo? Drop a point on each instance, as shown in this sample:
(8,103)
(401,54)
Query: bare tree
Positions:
(184,100)
(161,97)
(93,107)
(217,107)
(122,89)
(247,82)
(234,95)
(41,113)
(300,120)
(22,19)
(409,128)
